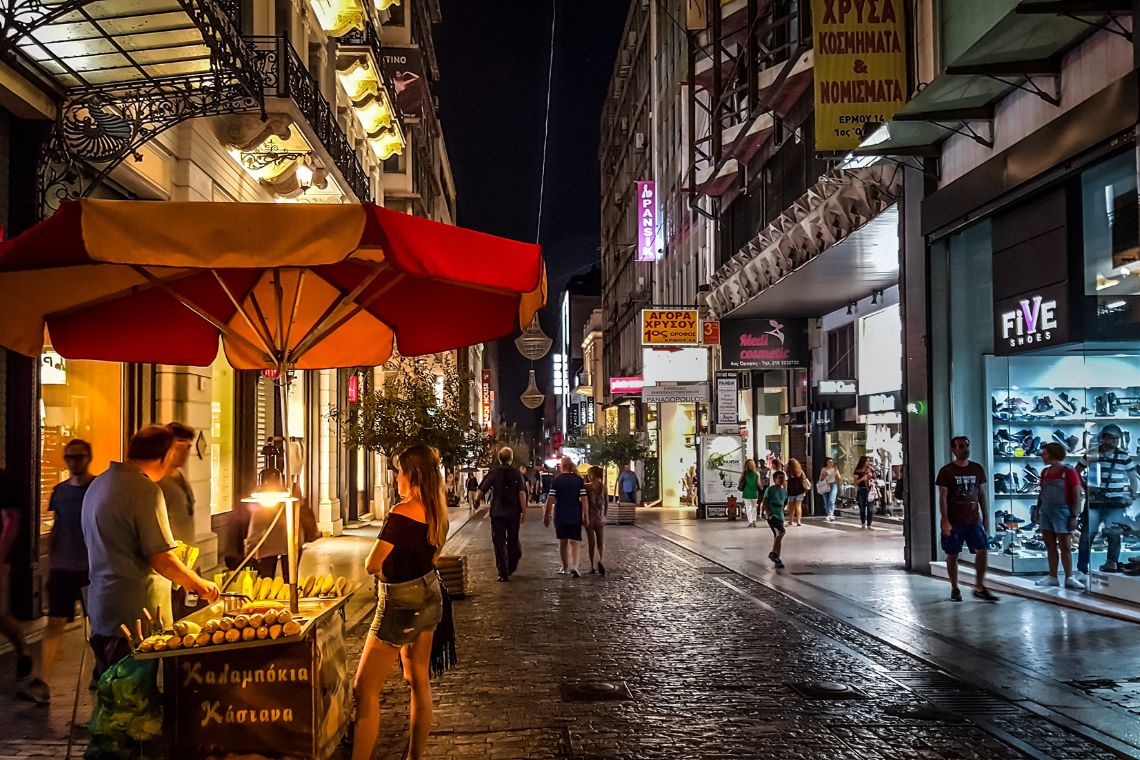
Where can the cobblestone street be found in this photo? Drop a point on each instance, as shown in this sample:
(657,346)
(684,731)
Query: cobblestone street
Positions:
(712,662)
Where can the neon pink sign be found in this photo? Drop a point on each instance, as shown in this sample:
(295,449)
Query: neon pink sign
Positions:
(647,220)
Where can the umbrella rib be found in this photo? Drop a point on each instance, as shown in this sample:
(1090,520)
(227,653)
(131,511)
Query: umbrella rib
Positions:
(318,328)
(293,312)
(218,324)
(266,341)
(278,292)
(312,337)
(264,323)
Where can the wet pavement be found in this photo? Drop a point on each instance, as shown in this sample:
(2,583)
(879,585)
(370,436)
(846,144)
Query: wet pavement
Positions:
(715,665)
(708,654)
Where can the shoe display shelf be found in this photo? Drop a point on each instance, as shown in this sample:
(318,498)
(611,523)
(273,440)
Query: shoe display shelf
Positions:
(1125,588)
(1033,562)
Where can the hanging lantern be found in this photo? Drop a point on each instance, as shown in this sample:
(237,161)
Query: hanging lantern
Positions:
(532,397)
(533,343)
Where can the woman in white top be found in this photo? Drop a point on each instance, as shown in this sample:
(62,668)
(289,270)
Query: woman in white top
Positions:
(828,486)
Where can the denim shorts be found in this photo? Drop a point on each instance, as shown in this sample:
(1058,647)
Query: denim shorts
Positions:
(405,610)
(972,536)
(1055,518)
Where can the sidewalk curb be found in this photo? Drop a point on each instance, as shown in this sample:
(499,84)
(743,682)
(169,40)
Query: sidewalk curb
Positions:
(1108,741)
(369,609)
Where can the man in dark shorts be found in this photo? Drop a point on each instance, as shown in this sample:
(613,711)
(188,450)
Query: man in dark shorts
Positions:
(961,499)
(571,510)
(67,577)
(504,490)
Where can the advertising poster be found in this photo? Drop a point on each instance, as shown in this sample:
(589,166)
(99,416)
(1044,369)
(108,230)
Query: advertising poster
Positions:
(406,68)
(764,343)
(721,462)
(727,400)
(670,327)
(860,68)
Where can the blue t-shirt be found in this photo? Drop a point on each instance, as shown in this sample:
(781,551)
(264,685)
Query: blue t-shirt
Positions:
(568,489)
(628,481)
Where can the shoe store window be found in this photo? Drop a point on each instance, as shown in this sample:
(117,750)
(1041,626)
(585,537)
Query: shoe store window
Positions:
(1044,314)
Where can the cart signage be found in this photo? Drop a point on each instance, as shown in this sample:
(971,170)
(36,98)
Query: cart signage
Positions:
(245,700)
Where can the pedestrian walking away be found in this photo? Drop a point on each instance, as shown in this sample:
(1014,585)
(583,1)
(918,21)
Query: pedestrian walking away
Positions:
(505,491)
(28,685)
(628,484)
(472,490)
(749,486)
(1058,505)
(961,502)
(1113,484)
(772,510)
(67,576)
(596,524)
(409,603)
(570,510)
(864,477)
(545,481)
(828,486)
(798,487)
(130,551)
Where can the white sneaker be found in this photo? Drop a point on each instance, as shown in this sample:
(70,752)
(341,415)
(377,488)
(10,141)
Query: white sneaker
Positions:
(1048,581)
(563,571)
(1073,584)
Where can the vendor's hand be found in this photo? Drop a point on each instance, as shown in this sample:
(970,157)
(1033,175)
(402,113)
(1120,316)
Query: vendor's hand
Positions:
(207,590)
(946,529)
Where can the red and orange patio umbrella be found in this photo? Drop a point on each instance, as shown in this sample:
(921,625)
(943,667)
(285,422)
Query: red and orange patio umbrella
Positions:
(279,286)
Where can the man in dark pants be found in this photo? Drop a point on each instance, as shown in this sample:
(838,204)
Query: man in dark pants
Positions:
(504,490)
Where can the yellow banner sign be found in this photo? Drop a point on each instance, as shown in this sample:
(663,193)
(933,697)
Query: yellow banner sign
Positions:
(860,68)
(670,327)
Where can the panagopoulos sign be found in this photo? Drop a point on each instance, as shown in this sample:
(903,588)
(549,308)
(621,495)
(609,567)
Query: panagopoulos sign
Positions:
(1031,321)
(647,221)
(670,327)
(763,343)
(860,68)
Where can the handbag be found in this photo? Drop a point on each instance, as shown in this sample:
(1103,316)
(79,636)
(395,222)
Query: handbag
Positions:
(807,485)
(822,488)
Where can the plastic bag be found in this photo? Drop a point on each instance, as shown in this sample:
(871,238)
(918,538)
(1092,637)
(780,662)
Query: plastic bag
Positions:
(127,719)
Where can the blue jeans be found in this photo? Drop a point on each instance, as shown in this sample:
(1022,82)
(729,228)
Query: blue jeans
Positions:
(1095,516)
(863,497)
(630,496)
(829,500)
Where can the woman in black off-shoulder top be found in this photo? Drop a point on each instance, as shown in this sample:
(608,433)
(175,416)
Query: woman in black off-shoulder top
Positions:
(409,601)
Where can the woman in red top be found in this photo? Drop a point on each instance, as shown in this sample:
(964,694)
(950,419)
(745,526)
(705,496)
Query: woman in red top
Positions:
(1058,505)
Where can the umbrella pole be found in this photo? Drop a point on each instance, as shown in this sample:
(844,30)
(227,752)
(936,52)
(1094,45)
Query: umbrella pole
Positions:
(290,505)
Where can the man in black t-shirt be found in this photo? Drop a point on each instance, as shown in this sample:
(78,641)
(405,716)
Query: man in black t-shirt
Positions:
(961,498)
(504,490)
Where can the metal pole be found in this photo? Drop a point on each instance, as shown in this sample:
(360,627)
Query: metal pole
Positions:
(283,381)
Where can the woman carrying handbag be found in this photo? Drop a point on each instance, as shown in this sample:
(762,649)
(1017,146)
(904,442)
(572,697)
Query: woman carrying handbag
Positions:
(828,486)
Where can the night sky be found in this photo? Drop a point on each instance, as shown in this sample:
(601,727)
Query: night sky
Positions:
(492,98)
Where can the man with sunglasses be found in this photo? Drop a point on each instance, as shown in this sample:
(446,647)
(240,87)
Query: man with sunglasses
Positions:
(67,577)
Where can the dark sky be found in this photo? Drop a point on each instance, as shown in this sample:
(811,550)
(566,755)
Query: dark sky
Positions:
(493,61)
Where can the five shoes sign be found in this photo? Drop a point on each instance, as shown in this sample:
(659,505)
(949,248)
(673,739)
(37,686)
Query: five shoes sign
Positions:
(1031,321)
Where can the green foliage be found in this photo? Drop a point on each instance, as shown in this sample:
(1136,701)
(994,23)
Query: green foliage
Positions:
(611,447)
(407,410)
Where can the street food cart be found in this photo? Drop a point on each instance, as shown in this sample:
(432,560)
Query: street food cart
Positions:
(287,696)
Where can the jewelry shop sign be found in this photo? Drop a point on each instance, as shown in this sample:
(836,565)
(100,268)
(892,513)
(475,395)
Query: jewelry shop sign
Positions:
(670,327)
(860,68)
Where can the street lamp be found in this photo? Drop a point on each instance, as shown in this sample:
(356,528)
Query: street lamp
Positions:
(305,175)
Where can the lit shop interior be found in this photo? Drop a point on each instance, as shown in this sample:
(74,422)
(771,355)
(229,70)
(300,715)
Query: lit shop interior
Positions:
(1044,309)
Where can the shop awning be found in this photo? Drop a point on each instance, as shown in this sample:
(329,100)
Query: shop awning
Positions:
(1027,44)
(301,285)
(837,243)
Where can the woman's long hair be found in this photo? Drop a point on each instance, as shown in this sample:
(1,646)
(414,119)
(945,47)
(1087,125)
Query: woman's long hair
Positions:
(597,486)
(862,463)
(794,468)
(420,464)
(750,465)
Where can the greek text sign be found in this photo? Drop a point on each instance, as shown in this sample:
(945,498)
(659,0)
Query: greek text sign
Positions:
(647,220)
(727,399)
(860,68)
(675,394)
(670,327)
(763,343)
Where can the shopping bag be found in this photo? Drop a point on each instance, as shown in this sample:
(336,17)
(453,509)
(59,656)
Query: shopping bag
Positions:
(127,719)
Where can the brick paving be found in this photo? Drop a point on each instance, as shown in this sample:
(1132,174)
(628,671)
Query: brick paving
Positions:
(710,659)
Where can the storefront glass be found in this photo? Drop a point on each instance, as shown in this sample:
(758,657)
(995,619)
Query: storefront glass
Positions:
(80,399)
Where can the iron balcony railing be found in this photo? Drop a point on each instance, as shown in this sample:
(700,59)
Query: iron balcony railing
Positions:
(284,75)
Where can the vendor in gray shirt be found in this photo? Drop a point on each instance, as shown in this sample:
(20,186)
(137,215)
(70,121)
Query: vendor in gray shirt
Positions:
(129,546)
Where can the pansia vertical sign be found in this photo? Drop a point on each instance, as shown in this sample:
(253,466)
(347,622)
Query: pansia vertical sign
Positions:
(860,68)
(647,220)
